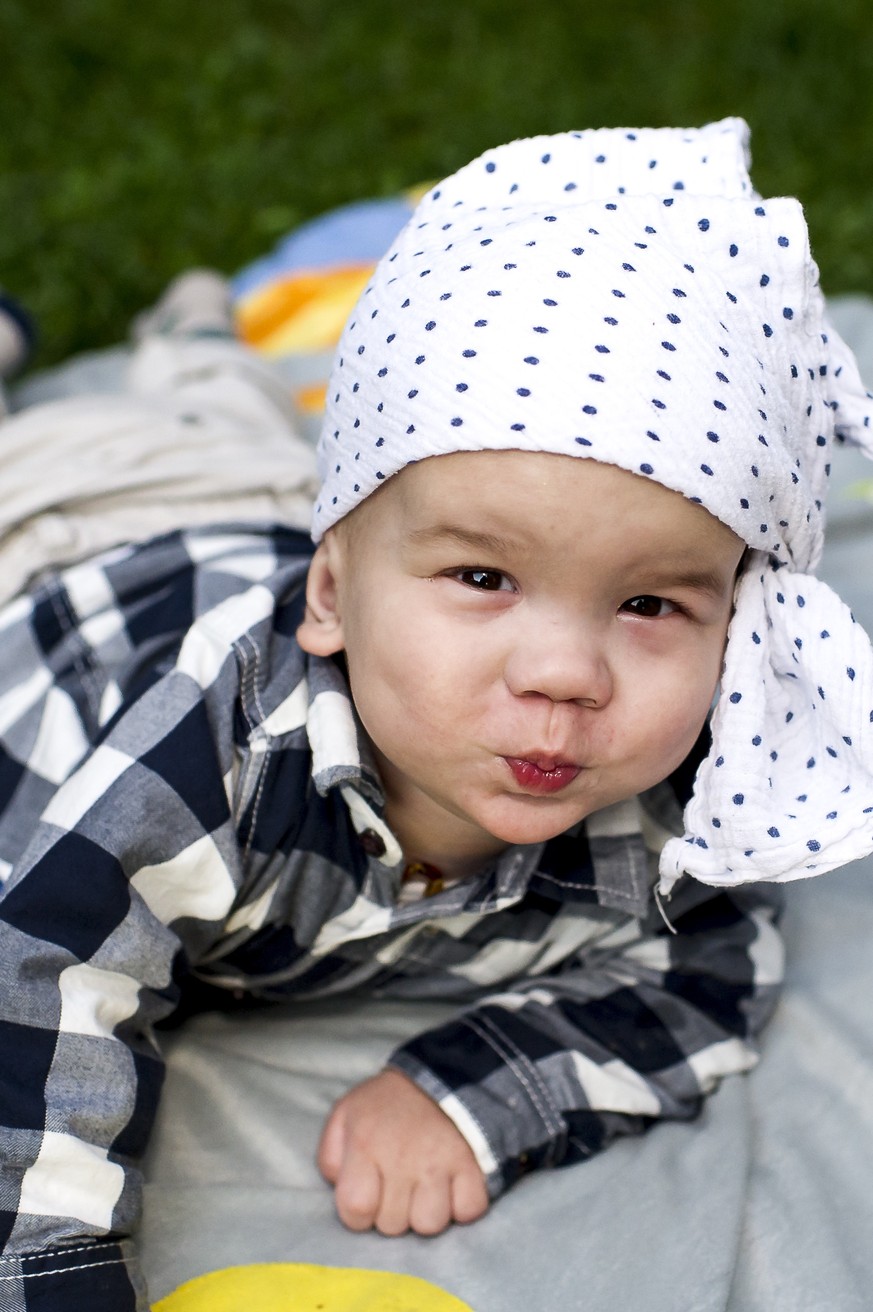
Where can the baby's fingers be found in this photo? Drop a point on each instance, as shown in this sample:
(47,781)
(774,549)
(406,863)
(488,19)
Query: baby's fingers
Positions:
(430,1210)
(332,1146)
(393,1216)
(469,1196)
(358,1193)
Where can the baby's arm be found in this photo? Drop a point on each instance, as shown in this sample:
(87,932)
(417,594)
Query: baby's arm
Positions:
(132,869)
(552,1069)
(397,1162)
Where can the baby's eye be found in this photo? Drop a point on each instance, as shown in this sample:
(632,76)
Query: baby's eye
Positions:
(648,607)
(484,580)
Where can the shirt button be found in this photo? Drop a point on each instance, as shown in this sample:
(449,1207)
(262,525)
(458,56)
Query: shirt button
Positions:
(372,843)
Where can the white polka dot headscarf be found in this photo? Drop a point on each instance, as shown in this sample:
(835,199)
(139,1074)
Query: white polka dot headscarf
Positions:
(626,296)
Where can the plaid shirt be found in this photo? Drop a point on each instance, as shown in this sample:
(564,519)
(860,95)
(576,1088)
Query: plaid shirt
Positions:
(187,805)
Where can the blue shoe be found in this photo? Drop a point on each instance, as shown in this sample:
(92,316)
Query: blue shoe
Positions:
(17,336)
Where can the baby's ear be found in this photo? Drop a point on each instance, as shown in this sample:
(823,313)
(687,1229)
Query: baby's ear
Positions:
(321,633)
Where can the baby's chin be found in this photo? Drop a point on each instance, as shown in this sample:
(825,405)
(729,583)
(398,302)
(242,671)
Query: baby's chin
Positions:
(535,820)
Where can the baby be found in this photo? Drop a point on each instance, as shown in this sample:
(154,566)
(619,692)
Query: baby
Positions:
(572,475)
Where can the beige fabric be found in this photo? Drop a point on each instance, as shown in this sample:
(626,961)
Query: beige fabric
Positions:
(204,433)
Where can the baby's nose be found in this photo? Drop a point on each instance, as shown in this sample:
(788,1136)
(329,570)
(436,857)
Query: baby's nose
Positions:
(563,661)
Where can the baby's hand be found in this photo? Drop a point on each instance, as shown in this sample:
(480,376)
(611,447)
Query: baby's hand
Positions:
(397,1162)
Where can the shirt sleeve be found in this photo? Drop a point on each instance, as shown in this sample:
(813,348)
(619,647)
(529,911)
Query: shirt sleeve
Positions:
(551,1071)
(130,875)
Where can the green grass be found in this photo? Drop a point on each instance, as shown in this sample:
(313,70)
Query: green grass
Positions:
(142,138)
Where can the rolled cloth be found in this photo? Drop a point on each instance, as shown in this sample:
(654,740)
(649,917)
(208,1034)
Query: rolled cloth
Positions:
(626,296)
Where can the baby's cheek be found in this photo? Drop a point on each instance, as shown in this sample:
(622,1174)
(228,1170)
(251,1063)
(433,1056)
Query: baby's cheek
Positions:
(680,737)
(668,723)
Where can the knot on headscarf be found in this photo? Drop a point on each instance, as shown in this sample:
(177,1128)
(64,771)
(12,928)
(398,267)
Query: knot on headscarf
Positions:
(787,789)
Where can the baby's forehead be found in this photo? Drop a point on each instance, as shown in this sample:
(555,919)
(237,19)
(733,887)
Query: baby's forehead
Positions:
(515,499)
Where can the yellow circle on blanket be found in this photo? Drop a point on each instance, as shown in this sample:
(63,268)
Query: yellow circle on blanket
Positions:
(298,1287)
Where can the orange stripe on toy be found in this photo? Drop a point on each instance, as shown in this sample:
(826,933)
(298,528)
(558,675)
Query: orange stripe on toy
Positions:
(311,400)
(302,313)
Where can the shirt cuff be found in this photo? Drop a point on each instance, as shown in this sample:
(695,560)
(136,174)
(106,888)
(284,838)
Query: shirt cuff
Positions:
(492,1093)
(99,1277)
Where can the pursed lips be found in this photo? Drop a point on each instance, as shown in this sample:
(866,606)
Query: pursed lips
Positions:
(542,774)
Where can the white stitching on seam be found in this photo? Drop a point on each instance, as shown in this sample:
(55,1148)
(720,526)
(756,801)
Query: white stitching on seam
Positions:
(64,1270)
(249,687)
(590,887)
(62,1252)
(522,1068)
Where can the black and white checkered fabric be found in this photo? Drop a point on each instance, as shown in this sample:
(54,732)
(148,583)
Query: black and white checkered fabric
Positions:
(187,807)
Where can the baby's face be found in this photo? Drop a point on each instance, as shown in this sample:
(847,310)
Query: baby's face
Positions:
(529,637)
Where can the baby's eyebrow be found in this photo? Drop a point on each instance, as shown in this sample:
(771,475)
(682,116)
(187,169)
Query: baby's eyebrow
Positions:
(709,582)
(433,534)
(697,580)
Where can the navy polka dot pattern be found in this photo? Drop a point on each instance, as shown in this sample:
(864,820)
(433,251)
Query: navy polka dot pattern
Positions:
(787,789)
(626,296)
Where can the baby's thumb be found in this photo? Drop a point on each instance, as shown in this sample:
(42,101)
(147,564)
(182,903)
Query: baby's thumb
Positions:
(332,1145)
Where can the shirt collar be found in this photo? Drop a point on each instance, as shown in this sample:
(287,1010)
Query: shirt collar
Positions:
(341,754)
